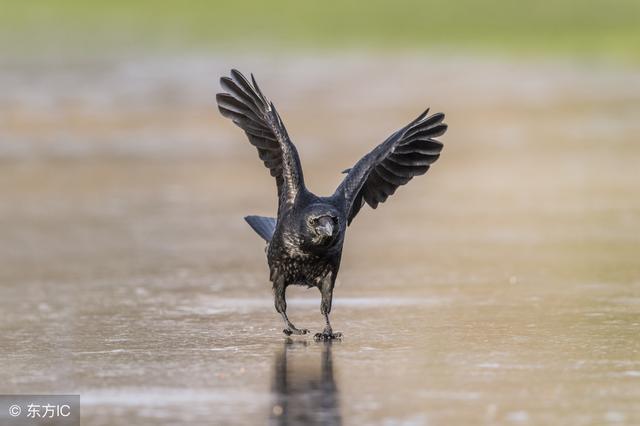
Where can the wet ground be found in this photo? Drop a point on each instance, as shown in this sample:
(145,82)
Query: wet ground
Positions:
(501,288)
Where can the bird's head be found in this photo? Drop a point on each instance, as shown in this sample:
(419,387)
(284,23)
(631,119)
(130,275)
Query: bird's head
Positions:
(321,225)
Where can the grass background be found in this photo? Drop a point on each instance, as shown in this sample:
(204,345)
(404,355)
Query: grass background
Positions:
(589,28)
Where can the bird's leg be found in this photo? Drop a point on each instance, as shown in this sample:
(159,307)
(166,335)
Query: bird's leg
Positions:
(327,333)
(281,307)
(291,329)
(325,309)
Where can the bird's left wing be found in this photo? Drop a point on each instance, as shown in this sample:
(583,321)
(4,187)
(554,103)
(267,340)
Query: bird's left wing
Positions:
(250,110)
(406,153)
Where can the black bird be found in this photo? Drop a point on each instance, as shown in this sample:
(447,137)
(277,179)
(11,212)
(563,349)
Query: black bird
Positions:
(304,242)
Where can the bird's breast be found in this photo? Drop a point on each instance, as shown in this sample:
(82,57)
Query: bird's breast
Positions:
(302,270)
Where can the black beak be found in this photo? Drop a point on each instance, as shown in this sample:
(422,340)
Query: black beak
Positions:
(325,226)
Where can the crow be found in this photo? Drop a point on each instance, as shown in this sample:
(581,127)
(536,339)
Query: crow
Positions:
(305,239)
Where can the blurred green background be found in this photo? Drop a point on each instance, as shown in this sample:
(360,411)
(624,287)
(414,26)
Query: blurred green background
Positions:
(600,28)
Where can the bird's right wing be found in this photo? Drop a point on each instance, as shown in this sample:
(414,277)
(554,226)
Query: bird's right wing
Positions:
(405,154)
(250,110)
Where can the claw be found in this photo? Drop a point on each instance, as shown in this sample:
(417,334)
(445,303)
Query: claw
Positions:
(290,331)
(327,336)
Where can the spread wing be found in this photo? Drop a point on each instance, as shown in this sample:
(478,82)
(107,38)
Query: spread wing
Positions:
(408,152)
(250,110)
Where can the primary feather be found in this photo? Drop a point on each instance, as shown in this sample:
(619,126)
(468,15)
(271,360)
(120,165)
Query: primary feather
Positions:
(407,153)
(248,108)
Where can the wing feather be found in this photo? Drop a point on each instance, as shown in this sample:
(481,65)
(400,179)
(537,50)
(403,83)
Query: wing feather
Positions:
(407,153)
(245,105)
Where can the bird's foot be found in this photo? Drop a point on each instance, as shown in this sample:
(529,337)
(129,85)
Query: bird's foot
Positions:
(327,335)
(297,331)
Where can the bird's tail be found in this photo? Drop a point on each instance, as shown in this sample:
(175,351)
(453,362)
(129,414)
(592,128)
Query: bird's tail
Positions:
(264,226)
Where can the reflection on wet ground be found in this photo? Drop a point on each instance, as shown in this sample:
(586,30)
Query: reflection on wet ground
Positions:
(501,288)
(304,388)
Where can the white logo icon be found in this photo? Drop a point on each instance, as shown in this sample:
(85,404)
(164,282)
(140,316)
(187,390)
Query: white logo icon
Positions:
(15,410)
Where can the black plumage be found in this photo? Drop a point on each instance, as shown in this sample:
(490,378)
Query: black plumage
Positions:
(304,241)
